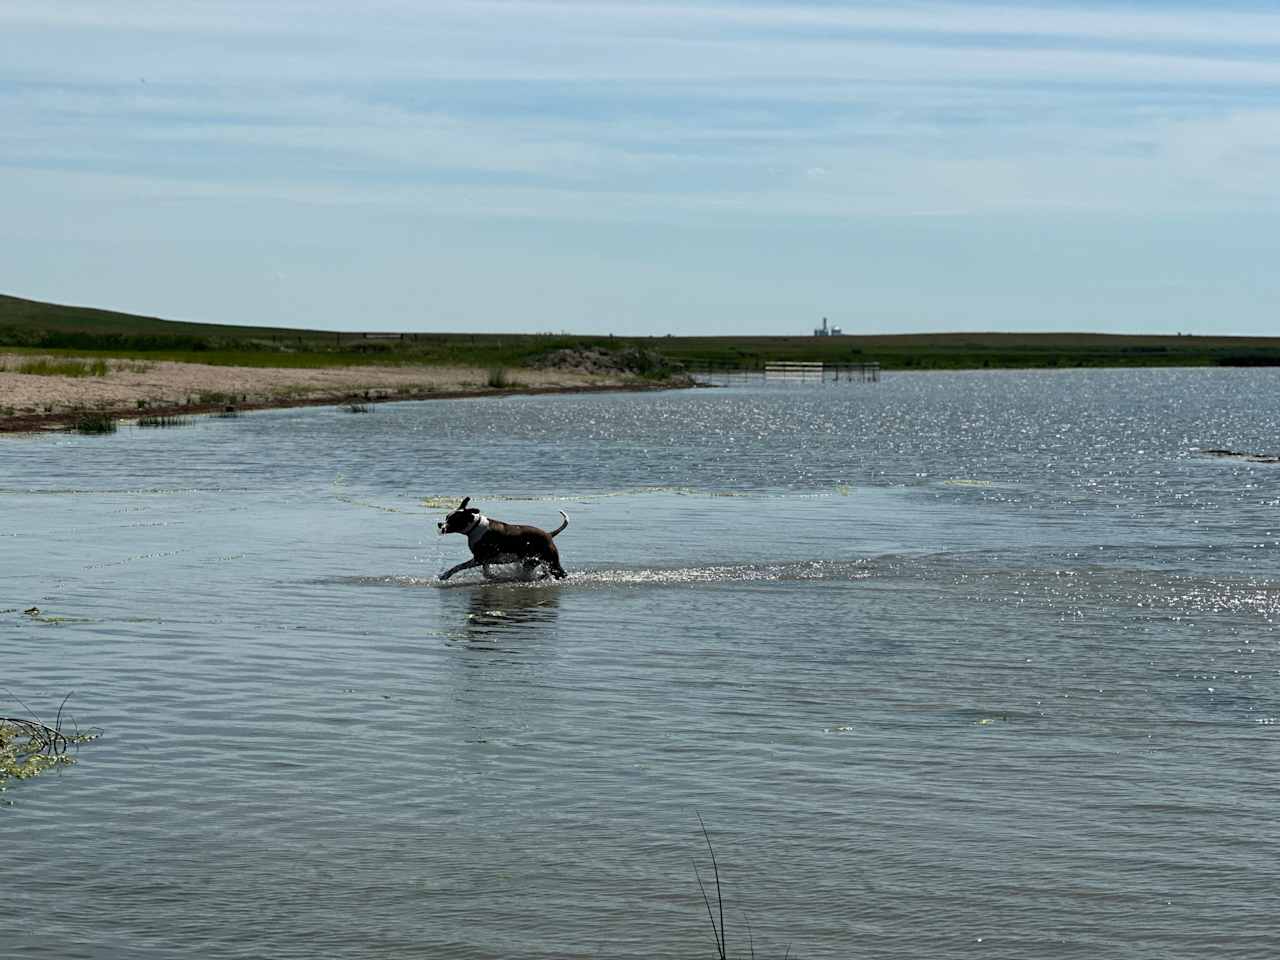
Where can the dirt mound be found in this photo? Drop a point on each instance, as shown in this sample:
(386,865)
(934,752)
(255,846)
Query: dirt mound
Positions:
(636,361)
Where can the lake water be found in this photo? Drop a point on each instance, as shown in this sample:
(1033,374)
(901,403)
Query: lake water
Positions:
(953,665)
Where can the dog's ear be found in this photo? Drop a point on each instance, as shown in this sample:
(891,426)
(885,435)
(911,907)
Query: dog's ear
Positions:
(465,501)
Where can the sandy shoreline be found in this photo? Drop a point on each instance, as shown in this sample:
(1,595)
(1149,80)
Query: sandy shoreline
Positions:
(131,388)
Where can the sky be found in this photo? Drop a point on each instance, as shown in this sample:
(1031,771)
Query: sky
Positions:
(646,167)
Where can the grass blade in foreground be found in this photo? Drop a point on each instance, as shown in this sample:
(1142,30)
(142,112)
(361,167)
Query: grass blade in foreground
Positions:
(718,929)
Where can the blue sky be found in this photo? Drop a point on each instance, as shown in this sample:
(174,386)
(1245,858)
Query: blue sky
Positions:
(646,168)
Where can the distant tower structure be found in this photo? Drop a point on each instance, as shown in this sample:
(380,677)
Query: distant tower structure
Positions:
(826,331)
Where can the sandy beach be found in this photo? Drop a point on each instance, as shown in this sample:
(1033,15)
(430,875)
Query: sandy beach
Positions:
(128,388)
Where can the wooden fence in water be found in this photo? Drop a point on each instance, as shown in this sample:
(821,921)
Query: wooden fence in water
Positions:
(785,372)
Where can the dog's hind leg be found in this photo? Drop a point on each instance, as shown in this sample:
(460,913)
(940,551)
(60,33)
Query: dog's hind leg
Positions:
(552,559)
(529,570)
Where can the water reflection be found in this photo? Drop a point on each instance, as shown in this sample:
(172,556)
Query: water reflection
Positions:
(496,611)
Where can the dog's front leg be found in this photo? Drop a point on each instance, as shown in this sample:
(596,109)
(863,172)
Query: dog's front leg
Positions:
(460,567)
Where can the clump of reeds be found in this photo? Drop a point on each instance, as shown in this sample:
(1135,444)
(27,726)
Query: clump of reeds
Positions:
(162,420)
(45,367)
(29,747)
(499,378)
(358,407)
(227,413)
(93,423)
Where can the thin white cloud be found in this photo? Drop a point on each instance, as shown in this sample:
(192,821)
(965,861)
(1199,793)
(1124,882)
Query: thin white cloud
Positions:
(1128,24)
(574,42)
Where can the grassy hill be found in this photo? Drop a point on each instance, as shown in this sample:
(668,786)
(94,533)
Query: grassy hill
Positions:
(30,325)
(16,312)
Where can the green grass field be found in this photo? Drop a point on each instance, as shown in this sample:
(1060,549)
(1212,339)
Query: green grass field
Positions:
(33,326)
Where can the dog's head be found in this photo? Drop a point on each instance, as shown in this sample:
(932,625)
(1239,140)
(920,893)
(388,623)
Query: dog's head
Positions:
(460,520)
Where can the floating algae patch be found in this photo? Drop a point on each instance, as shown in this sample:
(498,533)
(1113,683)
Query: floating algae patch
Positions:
(450,502)
(340,483)
(136,492)
(441,503)
(28,748)
(40,617)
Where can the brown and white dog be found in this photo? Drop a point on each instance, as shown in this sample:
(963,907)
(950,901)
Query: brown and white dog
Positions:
(492,541)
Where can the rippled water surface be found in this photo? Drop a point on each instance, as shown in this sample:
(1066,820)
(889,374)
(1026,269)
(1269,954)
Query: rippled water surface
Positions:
(972,665)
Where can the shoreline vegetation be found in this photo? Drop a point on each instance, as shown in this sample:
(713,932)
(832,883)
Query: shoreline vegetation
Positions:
(171,393)
(59,363)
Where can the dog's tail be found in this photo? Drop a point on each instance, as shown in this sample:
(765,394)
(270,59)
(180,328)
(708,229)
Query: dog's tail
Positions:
(563,525)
